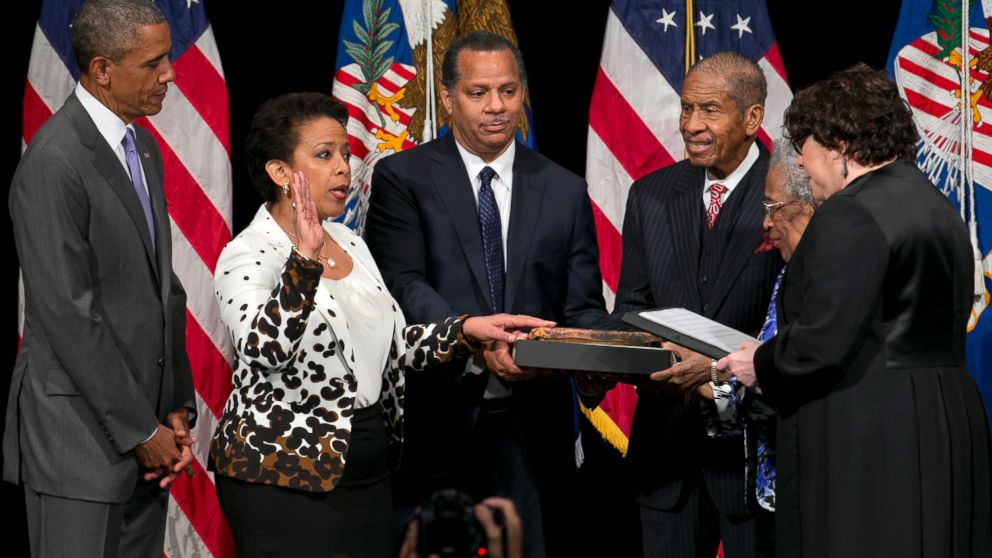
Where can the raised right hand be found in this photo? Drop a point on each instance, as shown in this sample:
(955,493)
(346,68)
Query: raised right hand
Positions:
(309,232)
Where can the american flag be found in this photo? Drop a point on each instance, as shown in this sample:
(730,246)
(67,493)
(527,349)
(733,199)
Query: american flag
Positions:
(634,119)
(192,132)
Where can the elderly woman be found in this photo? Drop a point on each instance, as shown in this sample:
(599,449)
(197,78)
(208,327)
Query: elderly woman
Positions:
(883,441)
(315,414)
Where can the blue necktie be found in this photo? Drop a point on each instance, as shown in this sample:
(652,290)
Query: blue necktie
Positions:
(492,238)
(134,167)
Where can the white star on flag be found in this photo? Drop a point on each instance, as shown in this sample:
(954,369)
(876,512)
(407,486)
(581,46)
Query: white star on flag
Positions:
(741,26)
(189,3)
(667,19)
(705,22)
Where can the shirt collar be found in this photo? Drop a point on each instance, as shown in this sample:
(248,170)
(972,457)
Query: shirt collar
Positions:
(503,164)
(111,127)
(734,178)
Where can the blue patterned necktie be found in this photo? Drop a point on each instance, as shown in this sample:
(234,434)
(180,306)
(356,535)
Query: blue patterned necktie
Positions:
(492,238)
(770,327)
(134,167)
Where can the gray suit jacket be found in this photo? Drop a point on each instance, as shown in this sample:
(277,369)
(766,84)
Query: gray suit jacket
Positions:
(102,358)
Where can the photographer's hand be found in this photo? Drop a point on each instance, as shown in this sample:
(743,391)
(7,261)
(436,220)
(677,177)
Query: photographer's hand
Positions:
(409,547)
(494,532)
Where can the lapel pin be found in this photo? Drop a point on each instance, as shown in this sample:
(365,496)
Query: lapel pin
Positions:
(147,155)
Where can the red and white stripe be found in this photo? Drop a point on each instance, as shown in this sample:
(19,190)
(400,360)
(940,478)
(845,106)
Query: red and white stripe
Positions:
(192,132)
(634,130)
(929,86)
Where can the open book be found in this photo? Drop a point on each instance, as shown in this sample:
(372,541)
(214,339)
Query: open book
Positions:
(692,331)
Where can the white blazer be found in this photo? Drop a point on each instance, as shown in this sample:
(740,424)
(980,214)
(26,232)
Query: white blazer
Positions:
(287,420)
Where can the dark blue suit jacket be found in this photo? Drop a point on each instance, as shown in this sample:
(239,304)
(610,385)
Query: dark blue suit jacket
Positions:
(423,229)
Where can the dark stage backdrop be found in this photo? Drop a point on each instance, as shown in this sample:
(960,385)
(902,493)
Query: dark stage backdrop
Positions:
(290,46)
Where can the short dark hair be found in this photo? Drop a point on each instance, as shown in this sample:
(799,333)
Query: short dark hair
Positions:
(109,28)
(746,82)
(274,132)
(858,107)
(478,41)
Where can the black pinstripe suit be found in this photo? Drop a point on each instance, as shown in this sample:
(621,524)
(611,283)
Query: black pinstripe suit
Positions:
(667,261)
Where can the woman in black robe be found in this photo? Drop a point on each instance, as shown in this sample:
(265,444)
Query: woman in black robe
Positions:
(883,440)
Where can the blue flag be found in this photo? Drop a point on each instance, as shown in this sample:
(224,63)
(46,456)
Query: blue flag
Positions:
(931,69)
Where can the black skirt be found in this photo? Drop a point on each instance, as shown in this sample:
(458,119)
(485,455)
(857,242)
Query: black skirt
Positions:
(355,520)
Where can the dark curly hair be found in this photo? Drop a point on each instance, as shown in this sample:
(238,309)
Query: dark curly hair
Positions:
(858,107)
(274,132)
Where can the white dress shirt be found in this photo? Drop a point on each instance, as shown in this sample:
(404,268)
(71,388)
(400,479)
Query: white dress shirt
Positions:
(502,183)
(732,179)
(367,310)
(110,126)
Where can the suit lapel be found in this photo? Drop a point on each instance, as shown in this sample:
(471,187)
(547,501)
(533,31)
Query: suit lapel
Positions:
(109,166)
(746,234)
(450,180)
(684,221)
(525,210)
(160,210)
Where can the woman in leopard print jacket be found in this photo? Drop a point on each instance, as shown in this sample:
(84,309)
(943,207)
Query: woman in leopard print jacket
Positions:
(316,410)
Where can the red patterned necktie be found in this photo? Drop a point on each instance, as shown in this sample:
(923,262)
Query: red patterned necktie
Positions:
(716,192)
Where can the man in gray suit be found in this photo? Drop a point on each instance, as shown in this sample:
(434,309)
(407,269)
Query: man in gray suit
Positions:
(101,396)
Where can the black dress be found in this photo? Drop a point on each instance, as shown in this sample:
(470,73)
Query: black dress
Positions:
(883,440)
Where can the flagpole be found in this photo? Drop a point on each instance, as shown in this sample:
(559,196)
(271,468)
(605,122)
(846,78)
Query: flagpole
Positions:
(690,38)
(430,108)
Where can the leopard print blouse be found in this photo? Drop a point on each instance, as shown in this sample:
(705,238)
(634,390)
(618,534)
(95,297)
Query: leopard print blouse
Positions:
(287,420)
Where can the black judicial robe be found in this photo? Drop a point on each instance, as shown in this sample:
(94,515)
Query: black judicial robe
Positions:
(883,440)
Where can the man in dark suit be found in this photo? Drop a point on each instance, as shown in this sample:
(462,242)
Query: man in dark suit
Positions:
(689,238)
(99,408)
(476,223)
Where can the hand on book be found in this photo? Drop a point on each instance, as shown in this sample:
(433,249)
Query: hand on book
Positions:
(691,371)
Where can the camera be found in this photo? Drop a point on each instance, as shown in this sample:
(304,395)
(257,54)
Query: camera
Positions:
(449,529)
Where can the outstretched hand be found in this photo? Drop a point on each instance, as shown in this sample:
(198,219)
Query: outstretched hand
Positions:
(692,371)
(306,221)
(485,330)
(496,335)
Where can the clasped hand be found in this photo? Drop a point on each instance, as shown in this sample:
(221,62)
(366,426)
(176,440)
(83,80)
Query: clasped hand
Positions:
(169,451)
